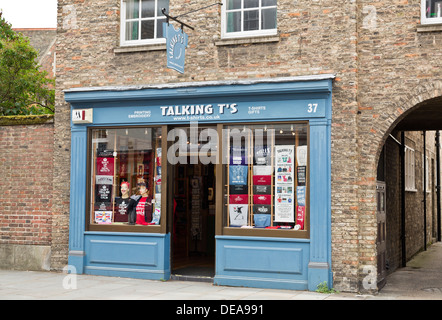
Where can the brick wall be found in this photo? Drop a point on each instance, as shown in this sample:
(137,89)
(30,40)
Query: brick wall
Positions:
(26,160)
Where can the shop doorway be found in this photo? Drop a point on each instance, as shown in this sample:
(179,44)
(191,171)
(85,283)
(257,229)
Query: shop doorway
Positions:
(193,220)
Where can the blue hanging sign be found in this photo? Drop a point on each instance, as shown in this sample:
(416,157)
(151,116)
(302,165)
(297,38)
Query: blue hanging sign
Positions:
(176,41)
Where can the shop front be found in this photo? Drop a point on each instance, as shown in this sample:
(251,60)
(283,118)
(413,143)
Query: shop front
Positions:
(230,180)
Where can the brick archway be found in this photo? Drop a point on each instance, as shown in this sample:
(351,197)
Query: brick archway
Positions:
(377,134)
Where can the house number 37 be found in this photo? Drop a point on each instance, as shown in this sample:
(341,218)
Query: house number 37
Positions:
(312,107)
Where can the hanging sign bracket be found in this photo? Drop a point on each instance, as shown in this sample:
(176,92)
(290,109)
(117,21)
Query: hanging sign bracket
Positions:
(163,10)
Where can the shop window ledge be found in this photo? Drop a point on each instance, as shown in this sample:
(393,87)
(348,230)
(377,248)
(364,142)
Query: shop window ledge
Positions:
(143,48)
(429,27)
(247,40)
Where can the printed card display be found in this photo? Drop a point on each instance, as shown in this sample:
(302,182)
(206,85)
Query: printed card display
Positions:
(262,170)
(238,214)
(300,195)
(261,220)
(262,199)
(262,180)
(238,199)
(238,175)
(262,155)
(238,189)
(284,183)
(105,166)
(103,217)
(261,208)
(300,217)
(261,189)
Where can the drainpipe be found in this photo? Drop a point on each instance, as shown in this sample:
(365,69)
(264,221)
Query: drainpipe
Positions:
(402,155)
(438,213)
(425,190)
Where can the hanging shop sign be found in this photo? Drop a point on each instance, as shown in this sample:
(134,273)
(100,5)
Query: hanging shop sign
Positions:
(176,41)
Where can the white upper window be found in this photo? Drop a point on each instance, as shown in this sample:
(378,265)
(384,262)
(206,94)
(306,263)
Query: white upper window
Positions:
(142,21)
(431,11)
(248,18)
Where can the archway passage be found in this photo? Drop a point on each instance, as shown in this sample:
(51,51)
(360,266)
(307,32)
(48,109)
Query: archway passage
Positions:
(409,166)
(426,116)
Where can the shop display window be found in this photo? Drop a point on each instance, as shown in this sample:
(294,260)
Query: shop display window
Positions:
(125,176)
(266,174)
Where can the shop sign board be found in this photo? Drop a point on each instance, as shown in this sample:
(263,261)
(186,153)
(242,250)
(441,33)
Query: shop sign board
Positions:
(176,41)
(82,116)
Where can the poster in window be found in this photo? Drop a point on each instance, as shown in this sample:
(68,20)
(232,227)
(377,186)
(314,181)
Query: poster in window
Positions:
(284,183)
(105,166)
(238,214)
(103,193)
(103,217)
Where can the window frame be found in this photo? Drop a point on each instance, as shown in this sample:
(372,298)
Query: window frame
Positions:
(424,19)
(246,34)
(221,215)
(161,227)
(410,170)
(139,42)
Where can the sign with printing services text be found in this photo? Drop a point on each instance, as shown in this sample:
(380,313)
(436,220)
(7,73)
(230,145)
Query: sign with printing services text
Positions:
(176,41)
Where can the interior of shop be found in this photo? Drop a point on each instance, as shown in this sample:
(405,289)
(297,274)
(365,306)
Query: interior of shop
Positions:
(193,223)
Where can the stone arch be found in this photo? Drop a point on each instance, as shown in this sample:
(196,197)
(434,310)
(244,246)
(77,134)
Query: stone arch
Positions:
(369,157)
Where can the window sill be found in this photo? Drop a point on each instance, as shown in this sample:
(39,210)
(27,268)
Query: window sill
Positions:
(246,40)
(141,48)
(429,27)
(261,232)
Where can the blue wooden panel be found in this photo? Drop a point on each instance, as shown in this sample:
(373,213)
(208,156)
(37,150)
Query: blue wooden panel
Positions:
(262,262)
(127,255)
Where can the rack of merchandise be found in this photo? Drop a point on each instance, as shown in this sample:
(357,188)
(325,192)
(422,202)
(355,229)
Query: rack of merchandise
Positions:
(250,188)
(266,184)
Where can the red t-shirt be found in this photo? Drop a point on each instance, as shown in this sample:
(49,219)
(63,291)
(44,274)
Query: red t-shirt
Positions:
(140,211)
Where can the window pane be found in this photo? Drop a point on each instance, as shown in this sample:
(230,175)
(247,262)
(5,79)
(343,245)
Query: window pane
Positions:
(234,22)
(132,9)
(233,4)
(148,29)
(162,4)
(148,9)
(251,20)
(434,9)
(267,3)
(268,19)
(160,28)
(132,30)
(251,3)
(126,176)
(266,176)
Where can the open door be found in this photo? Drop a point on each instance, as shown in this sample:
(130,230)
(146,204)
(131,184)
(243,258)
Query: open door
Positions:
(192,188)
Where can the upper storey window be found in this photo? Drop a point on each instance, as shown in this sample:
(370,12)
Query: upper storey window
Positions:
(141,21)
(431,11)
(248,18)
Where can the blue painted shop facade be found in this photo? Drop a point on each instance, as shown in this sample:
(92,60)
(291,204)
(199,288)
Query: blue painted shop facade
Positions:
(118,136)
